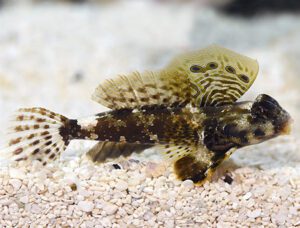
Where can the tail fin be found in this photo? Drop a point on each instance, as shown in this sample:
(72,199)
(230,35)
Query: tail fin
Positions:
(36,135)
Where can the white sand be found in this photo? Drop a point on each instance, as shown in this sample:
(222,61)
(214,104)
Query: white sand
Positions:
(54,56)
(80,193)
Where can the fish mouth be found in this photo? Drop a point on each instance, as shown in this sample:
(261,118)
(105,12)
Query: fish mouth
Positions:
(287,127)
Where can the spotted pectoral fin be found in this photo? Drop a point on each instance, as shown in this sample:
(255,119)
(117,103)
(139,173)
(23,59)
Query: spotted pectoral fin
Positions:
(109,150)
(144,89)
(191,162)
(189,167)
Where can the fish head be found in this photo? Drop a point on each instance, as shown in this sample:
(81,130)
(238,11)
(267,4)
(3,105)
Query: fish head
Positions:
(273,119)
(264,120)
(245,123)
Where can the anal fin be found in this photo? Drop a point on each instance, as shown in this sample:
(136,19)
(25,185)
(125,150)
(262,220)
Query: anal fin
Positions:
(106,150)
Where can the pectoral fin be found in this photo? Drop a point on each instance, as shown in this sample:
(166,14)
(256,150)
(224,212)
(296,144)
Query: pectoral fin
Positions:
(191,168)
(192,162)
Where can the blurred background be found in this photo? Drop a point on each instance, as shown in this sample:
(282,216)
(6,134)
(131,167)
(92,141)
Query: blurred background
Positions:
(54,53)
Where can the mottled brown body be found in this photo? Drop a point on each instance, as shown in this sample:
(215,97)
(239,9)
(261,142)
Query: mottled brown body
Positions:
(150,125)
(197,140)
(178,131)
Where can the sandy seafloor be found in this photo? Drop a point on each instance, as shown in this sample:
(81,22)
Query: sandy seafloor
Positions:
(54,56)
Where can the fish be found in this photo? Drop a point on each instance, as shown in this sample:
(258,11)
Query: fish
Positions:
(194,131)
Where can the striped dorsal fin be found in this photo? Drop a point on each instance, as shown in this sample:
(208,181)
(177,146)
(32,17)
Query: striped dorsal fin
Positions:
(150,88)
(218,76)
(213,76)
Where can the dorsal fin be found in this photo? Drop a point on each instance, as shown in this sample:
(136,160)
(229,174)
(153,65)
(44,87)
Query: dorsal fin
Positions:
(150,88)
(218,76)
(213,76)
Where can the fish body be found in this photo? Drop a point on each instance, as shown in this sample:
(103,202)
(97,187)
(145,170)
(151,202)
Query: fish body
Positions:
(149,125)
(188,136)
(239,124)
(187,110)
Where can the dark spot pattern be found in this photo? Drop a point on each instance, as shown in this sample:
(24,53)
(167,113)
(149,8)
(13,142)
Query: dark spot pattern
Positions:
(18,151)
(196,69)
(259,132)
(36,151)
(228,179)
(230,69)
(243,78)
(35,142)
(52,156)
(116,166)
(48,143)
(212,65)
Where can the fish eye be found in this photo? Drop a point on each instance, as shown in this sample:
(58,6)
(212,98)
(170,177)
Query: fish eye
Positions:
(230,69)
(243,78)
(195,68)
(259,132)
(212,65)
